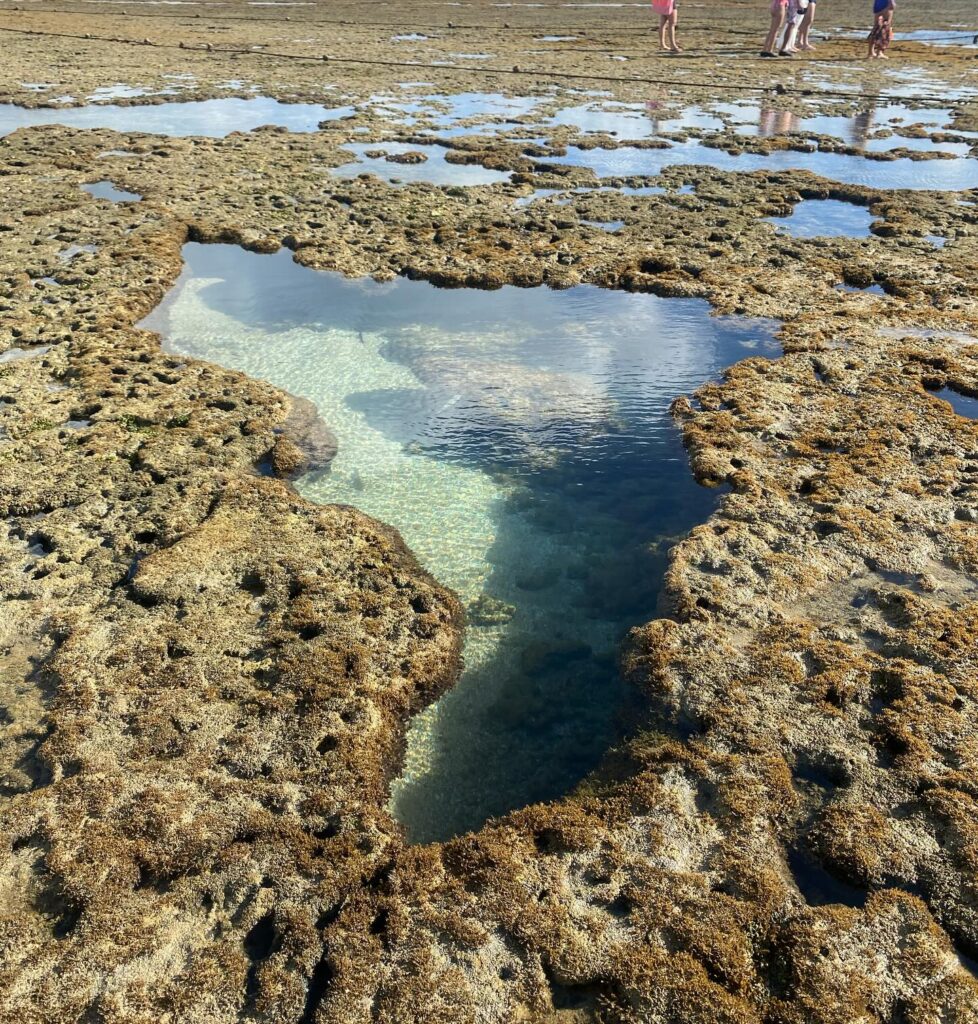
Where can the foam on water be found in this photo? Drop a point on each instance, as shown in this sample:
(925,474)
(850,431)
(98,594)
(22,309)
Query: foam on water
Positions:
(520,441)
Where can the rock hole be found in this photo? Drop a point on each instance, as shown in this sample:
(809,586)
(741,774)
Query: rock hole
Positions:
(322,976)
(818,886)
(621,906)
(252,584)
(261,941)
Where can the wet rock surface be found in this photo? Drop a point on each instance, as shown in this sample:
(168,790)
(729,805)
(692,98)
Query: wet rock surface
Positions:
(206,679)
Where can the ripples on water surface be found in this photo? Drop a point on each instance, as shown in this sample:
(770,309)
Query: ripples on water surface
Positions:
(521,443)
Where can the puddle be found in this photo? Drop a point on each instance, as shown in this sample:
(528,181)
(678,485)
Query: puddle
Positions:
(630,123)
(212,118)
(873,289)
(14,354)
(927,334)
(938,241)
(941,175)
(75,250)
(605,225)
(557,39)
(117,92)
(540,193)
(409,37)
(941,37)
(963,405)
(520,441)
(855,130)
(825,218)
(435,169)
(106,190)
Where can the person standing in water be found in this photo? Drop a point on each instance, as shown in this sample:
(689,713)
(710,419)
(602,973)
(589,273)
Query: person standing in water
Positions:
(882,31)
(779,8)
(668,16)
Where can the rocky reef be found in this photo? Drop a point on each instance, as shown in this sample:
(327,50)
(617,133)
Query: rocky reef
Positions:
(206,679)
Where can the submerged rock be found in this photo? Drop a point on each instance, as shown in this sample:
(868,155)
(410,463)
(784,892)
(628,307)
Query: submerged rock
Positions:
(489,611)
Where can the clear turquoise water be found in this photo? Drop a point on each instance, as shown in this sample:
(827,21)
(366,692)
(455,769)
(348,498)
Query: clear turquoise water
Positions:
(520,441)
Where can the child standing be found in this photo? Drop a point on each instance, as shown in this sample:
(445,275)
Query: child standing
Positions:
(882,32)
(668,16)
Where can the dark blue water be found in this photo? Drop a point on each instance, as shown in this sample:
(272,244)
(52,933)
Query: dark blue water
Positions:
(521,442)
(963,405)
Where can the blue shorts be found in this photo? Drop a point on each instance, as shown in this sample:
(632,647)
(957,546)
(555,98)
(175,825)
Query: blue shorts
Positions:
(879,6)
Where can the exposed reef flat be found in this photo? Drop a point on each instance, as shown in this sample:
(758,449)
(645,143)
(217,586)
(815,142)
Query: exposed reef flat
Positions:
(206,679)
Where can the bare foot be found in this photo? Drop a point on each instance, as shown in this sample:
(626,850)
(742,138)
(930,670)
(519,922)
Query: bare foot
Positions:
(676,49)
(882,56)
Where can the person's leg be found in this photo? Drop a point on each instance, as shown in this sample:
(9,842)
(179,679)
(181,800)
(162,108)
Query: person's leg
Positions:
(663,18)
(777,17)
(790,28)
(788,42)
(804,43)
(886,36)
(673,21)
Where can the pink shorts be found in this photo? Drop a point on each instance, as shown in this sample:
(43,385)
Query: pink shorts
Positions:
(664,7)
(778,5)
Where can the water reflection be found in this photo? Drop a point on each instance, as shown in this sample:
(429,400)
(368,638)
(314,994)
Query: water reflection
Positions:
(941,175)
(520,441)
(404,162)
(107,190)
(825,218)
(963,405)
(212,118)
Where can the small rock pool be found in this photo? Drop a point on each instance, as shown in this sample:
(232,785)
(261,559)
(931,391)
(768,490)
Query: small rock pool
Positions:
(520,441)
(214,118)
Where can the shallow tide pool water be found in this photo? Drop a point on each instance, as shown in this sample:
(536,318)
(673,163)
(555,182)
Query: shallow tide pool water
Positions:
(213,118)
(945,175)
(825,218)
(520,441)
